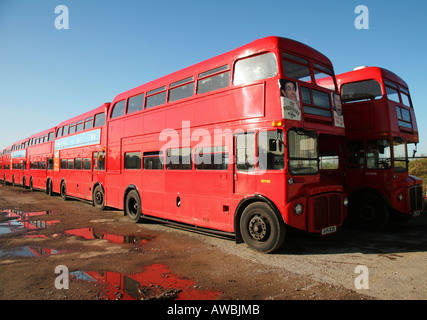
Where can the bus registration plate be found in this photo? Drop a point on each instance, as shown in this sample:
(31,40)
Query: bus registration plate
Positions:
(416,214)
(329,230)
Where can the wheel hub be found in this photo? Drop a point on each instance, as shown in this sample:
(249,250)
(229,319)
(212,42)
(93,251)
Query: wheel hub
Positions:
(257,228)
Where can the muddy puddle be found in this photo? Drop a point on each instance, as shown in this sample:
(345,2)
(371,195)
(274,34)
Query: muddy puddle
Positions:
(156,282)
(92,234)
(29,252)
(12,221)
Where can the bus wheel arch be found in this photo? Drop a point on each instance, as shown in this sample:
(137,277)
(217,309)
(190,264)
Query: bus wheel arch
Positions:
(369,210)
(259,224)
(98,196)
(132,204)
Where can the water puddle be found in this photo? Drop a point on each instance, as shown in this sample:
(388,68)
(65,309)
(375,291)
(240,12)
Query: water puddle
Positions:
(92,234)
(12,221)
(29,251)
(156,282)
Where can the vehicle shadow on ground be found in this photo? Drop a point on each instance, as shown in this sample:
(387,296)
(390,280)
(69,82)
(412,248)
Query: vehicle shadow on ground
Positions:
(396,237)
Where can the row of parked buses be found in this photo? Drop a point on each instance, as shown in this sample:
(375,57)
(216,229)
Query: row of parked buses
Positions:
(245,144)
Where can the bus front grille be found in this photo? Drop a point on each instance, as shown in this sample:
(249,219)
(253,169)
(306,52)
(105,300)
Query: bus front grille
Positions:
(415,198)
(327,211)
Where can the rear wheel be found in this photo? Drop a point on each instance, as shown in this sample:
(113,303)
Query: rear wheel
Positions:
(261,228)
(98,198)
(133,206)
(63,190)
(49,189)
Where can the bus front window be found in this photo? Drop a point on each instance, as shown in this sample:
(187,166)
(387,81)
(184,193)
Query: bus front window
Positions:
(303,152)
(378,154)
(400,155)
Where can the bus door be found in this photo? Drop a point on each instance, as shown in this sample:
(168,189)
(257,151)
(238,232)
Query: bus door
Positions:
(98,168)
(244,163)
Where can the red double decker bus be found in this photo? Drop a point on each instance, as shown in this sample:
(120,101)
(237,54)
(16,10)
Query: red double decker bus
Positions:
(5,163)
(79,157)
(40,161)
(380,123)
(230,144)
(18,163)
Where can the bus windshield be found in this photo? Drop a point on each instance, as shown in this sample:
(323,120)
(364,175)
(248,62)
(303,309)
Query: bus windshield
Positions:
(400,156)
(303,152)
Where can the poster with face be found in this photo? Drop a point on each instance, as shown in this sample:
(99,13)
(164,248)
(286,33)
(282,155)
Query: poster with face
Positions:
(338,116)
(290,100)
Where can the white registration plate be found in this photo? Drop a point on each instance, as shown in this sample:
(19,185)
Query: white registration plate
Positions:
(416,214)
(329,230)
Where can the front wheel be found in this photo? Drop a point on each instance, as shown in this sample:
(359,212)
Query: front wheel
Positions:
(261,228)
(133,206)
(368,212)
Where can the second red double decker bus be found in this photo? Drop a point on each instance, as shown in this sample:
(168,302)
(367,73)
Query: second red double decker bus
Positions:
(380,124)
(79,157)
(230,144)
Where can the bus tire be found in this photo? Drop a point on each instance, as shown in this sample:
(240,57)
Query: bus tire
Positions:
(63,191)
(369,212)
(31,185)
(49,188)
(133,206)
(98,198)
(261,228)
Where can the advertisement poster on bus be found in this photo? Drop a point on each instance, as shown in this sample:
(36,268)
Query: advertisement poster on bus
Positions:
(338,116)
(289,97)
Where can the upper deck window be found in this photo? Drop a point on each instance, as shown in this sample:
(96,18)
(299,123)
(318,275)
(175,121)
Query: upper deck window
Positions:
(135,103)
(118,109)
(214,79)
(99,120)
(155,97)
(255,68)
(296,68)
(359,91)
(181,89)
(324,77)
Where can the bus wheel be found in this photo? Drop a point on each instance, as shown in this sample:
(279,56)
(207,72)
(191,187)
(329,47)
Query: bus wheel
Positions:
(261,228)
(98,198)
(49,189)
(369,212)
(63,191)
(133,206)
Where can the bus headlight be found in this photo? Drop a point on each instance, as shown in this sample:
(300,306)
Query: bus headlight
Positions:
(400,197)
(345,202)
(298,209)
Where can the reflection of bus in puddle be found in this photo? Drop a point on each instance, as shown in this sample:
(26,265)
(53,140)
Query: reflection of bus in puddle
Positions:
(24,221)
(156,282)
(92,234)
(29,252)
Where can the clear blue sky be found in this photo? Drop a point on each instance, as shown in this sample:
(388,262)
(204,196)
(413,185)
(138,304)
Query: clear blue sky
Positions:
(49,75)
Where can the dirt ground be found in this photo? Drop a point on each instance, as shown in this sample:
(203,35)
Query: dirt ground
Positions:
(109,257)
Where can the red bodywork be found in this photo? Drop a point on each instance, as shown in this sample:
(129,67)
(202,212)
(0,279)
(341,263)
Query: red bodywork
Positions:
(374,119)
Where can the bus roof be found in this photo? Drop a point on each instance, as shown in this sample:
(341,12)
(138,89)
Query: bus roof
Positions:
(42,133)
(364,73)
(261,45)
(85,115)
